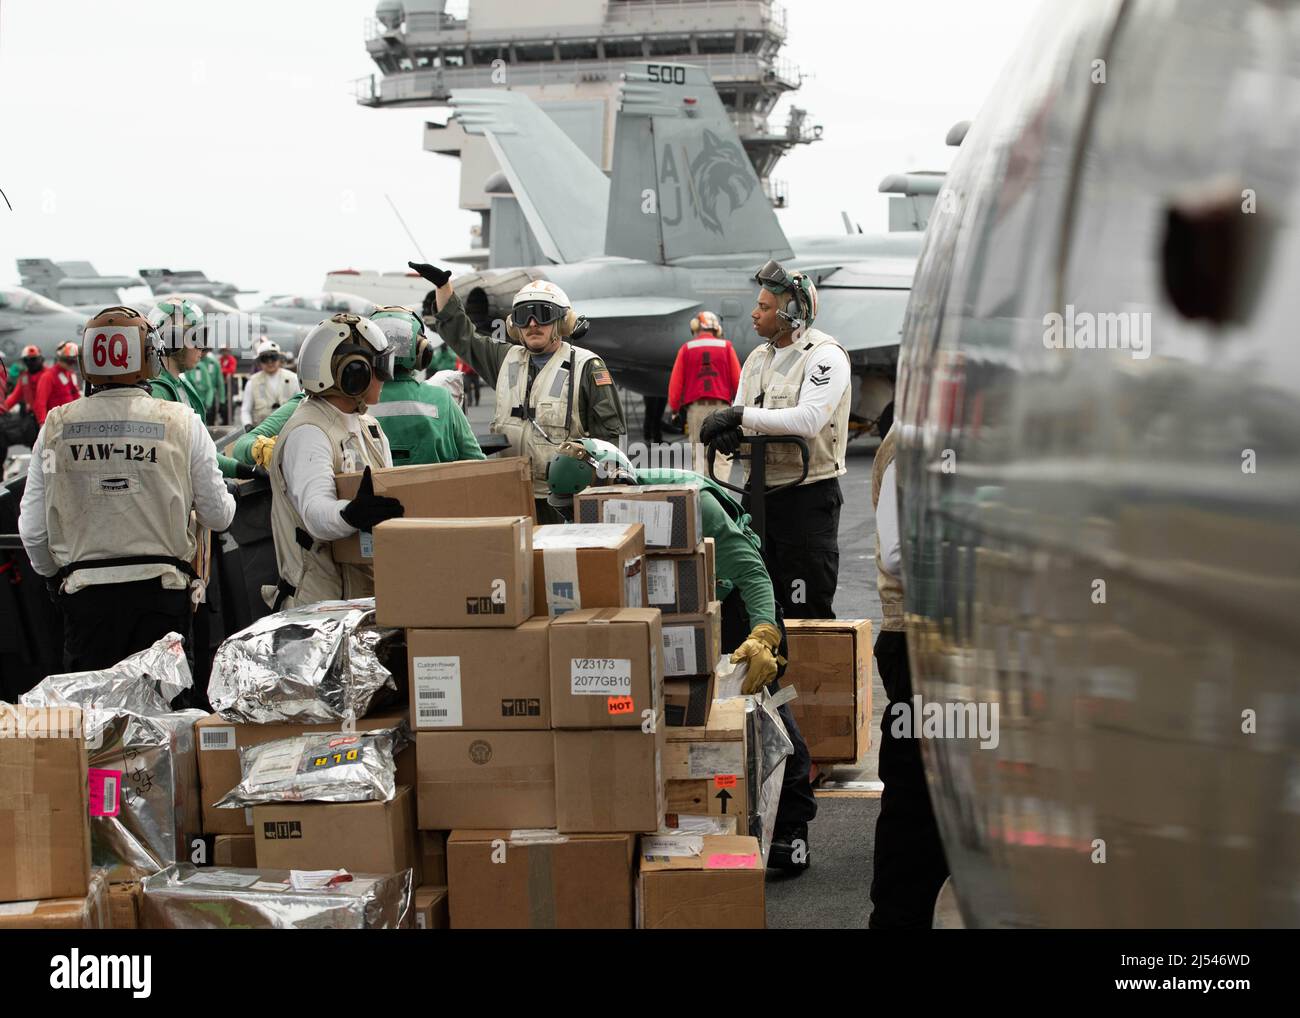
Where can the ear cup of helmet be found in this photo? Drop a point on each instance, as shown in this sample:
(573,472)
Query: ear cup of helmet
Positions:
(353,375)
(423,354)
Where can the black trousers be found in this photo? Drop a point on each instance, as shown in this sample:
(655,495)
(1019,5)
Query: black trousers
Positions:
(798,805)
(652,428)
(105,623)
(910,865)
(802,548)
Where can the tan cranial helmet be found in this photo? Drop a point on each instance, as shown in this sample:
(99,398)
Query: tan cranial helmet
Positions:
(119,347)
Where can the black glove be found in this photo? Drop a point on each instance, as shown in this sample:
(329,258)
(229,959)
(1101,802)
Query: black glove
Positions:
(261,473)
(244,472)
(435,275)
(678,421)
(368,510)
(721,430)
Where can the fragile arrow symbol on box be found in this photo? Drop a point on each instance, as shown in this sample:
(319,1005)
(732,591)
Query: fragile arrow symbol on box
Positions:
(724,795)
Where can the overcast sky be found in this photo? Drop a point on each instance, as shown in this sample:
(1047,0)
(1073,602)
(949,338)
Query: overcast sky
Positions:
(224,136)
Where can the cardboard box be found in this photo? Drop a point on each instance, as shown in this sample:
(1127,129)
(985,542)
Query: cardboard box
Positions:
(124,902)
(687,700)
(219,742)
(609,780)
(598,566)
(679,584)
(485,779)
(44,822)
(480,679)
(693,643)
(710,565)
(360,837)
(606,668)
(540,880)
(704,766)
(830,666)
(460,490)
(454,574)
(430,907)
(670,513)
(433,857)
(234,850)
(86,912)
(701,882)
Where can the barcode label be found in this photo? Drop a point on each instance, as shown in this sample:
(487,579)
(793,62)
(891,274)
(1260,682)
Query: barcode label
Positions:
(216,738)
(679,650)
(437,681)
(110,789)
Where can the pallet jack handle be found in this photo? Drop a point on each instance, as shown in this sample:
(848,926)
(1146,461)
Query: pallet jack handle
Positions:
(758,491)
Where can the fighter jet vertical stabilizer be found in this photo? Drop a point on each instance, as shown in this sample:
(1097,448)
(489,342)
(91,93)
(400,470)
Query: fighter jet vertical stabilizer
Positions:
(567,215)
(682,190)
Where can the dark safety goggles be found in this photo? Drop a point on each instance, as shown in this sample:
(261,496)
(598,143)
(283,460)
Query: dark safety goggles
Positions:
(774,277)
(544,312)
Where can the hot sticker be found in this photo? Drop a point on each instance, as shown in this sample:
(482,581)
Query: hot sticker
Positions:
(724,781)
(621,705)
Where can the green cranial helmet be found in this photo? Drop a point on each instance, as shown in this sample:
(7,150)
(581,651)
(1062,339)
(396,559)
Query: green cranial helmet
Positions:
(178,322)
(405,331)
(583,462)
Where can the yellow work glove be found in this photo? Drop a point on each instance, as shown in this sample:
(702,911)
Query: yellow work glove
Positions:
(262,449)
(759,654)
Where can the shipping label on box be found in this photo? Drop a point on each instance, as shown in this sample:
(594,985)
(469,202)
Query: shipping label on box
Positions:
(480,679)
(678,584)
(670,513)
(606,668)
(594,566)
(830,666)
(466,488)
(692,643)
(454,574)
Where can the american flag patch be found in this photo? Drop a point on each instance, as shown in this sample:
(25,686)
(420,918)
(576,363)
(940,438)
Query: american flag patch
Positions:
(601,377)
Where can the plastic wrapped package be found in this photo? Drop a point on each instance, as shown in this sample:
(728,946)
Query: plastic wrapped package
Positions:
(144,790)
(768,745)
(144,683)
(187,898)
(319,767)
(319,663)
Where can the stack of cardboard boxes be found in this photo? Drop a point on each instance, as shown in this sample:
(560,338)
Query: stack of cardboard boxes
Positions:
(536,686)
(680,582)
(368,837)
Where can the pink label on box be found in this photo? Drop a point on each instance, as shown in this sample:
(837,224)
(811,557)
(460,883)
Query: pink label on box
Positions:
(728,861)
(105,792)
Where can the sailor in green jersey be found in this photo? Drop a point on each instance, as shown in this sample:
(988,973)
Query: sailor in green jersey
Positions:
(179,323)
(748,605)
(422,422)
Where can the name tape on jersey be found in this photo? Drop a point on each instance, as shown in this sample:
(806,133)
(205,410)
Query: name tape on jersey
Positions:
(151,430)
